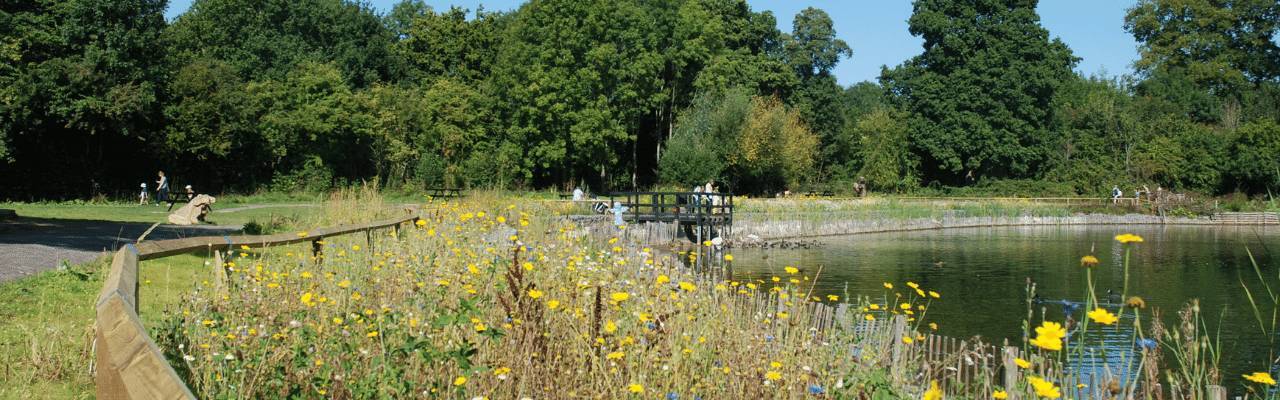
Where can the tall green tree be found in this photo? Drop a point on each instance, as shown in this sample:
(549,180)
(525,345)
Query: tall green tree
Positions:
(980,94)
(813,51)
(1221,46)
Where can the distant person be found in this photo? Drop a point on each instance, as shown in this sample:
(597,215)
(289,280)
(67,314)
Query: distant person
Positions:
(191,193)
(142,197)
(578,194)
(1115,195)
(162,188)
(860,187)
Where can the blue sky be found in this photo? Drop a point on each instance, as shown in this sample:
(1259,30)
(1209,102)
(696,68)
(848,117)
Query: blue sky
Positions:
(877,29)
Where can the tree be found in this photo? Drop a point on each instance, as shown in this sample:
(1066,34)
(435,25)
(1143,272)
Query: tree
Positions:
(266,39)
(1221,46)
(774,151)
(887,163)
(812,51)
(1255,167)
(980,94)
(78,92)
(704,136)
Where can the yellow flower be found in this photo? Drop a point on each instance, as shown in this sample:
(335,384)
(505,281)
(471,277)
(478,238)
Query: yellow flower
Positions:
(337,321)
(913,285)
(421,222)
(1136,302)
(688,286)
(302,234)
(502,371)
(459,381)
(663,279)
(874,306)
(1088,261)
(999,395)
(535,293)
(934,294)
(907,340)
(773,375)
(635,388)
(1024,364)
(933,326)
(1261,377)
(792,270)
(869,317)
(904,306)
(1127,238)
(1102,316)
(480,327)
(728,257)
(888,285)
(1044,388)
(833,297)
(1049,336)
(619,296)
(610,327)
(934,393)
(552,304)
(615,355)
(372,334)
(306,299)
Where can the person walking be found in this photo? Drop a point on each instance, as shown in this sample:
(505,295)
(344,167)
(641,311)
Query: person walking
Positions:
(162,188)
(1115,194)
(142,196)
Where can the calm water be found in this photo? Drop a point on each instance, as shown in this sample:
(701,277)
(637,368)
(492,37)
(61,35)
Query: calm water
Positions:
(982,275)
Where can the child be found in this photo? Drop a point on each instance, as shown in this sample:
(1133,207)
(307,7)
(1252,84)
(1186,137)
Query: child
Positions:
(142,197)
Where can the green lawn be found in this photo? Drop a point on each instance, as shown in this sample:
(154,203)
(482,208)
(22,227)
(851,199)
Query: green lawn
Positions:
(46,339)
(222,214)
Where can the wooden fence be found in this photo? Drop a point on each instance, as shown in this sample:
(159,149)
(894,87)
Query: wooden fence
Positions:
(129,365)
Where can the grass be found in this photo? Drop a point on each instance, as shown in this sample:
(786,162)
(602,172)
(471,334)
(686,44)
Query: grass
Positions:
(45,342)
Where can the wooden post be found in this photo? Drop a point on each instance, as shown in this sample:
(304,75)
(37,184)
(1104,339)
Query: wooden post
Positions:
(219,274)
(1216,392)
(317,251)
(1011,371)
(898,331)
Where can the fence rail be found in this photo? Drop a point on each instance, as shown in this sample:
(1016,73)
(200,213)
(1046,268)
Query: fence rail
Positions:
(128,363)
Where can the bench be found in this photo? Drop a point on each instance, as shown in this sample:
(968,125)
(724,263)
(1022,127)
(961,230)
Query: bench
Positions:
(444,192)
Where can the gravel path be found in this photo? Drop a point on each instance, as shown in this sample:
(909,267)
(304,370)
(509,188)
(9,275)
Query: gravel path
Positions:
(31,245)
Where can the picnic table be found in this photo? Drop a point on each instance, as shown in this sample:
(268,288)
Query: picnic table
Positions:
(444,192)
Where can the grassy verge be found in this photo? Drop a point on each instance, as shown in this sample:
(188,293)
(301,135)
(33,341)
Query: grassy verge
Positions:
(45,342)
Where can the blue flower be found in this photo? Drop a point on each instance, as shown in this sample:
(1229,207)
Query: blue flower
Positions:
(815,389)
(1146,344)
(768,338)
(651,326)
(673,396)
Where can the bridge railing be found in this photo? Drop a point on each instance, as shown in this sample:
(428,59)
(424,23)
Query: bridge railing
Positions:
(697,207)
(129,364)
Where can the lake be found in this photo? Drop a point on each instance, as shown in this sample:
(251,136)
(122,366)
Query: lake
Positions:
(982,275)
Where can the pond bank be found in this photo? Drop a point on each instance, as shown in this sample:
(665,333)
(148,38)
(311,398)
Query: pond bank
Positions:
(774,227)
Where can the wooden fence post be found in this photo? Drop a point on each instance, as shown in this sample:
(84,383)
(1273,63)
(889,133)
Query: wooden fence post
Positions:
(317,251)
(1011,372)
(219,273)
(1217,392)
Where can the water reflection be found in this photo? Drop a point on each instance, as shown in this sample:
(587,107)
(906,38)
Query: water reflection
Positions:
(982,274)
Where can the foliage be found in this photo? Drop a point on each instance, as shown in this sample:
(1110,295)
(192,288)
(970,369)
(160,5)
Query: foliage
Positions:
(887,162)
(980,93)
(704,137)
(1256,166)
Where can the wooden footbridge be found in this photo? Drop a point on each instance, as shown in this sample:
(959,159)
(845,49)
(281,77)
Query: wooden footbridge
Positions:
(700,215)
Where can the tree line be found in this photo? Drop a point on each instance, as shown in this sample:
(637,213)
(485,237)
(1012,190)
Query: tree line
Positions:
(243,95)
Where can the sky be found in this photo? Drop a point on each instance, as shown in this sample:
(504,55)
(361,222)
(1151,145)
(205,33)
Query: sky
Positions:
(877,29)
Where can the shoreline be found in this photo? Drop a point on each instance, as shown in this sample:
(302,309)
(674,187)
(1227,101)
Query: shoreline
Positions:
(784,229)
